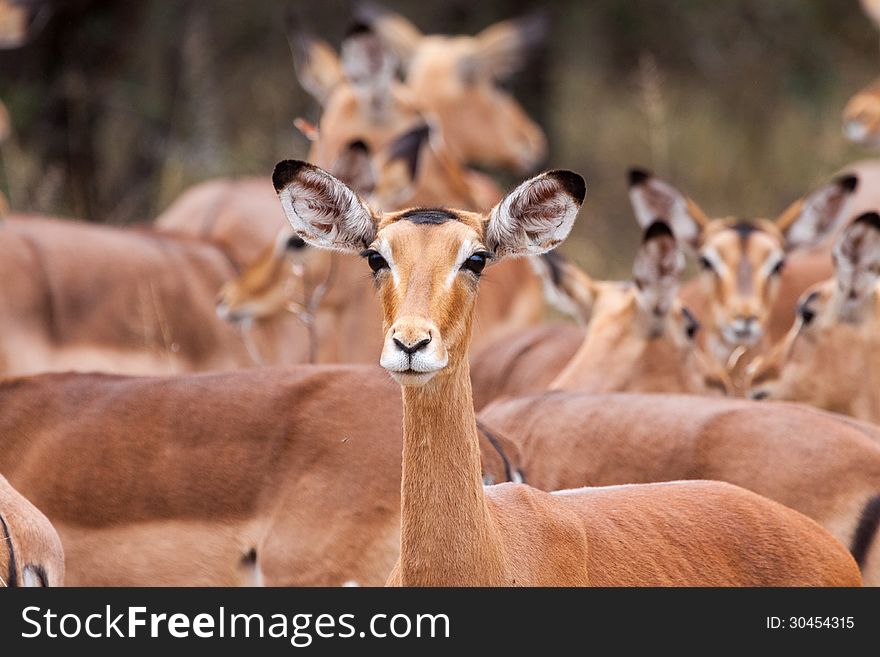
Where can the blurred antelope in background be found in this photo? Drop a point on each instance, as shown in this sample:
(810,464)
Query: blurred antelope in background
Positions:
(638,337)
(744,262)
(451,73)
(826,466)
(831,356)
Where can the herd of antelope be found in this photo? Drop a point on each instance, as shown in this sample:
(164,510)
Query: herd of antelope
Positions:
(197,402)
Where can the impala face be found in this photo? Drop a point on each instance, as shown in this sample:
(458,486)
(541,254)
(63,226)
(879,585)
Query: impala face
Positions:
(427,261)
(828,357)
(451,73)
(282,275)
(741,261)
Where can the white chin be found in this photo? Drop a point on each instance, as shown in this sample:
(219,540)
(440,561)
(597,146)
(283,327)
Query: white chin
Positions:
(411,378)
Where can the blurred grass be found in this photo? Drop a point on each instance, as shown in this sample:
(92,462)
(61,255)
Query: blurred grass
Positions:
(117,109)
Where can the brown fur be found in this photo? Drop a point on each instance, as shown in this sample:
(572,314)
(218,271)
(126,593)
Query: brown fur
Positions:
(87,297)
(172,481)
(816,463)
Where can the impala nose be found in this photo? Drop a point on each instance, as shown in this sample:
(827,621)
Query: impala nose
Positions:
(411,347)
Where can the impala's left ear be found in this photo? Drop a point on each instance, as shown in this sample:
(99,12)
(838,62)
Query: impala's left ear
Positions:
(321,209)
(808,221)
(536,216)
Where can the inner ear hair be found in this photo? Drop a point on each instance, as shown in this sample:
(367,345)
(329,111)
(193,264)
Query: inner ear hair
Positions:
(321,209)
(536,216)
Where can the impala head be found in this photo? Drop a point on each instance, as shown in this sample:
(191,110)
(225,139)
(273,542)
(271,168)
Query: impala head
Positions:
(273,282)
(364,108)
(457,79)
(639,336)
(741,261)
(427,262)
(833,344)
(861,116)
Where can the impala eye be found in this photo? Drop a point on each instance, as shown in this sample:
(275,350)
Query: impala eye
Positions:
(706,264)
(376,261)
(295,243)
(778,268)
(806,313)
(475,263)
(692,325)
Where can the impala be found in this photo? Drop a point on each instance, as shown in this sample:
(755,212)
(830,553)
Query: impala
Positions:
(638,338)
(831,356)
(285,476)
(87,297)
(819,464)
(427,264)
(30,550)
(448,73)
(742,261)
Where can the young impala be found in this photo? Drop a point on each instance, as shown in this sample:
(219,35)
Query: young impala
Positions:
(427,264)
(831,356)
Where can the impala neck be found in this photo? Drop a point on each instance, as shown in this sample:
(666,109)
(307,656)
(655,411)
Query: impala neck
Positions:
(447,535)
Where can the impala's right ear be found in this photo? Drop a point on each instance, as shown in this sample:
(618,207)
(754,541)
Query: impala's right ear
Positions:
(322,210)
(318,69)
(536,216)
(653,199)
(657,269)
(857,256)
(397,32)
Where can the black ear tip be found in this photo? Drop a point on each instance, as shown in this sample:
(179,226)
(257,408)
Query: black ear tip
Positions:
(572,182)
(848,182)
(871,219)
(358,28)
(657,229)
(285,171)
(638,176)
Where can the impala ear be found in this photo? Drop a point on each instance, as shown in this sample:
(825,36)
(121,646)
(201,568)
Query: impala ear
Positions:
(317,67)
(536,216)
(653,199)
(322,210)
(502,48)
(369,66)
(857,256)
(657,269)
(809,220)
(566,286)
(355,169)
(397,32)
(286,241)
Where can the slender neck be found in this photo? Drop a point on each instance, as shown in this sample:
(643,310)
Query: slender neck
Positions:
(447,534)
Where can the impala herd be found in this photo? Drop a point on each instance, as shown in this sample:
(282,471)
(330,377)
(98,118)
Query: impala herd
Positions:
(197,401)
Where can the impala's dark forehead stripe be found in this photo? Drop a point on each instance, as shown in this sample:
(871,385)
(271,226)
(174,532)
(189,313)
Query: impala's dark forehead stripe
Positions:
(744,229)
(434,216)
